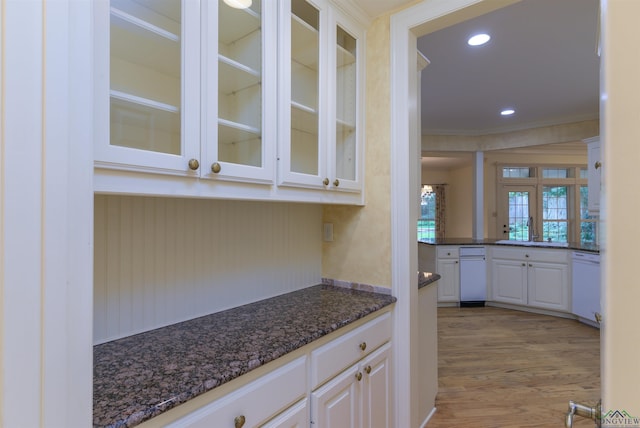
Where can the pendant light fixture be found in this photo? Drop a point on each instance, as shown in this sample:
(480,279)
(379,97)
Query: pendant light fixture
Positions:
(238,4)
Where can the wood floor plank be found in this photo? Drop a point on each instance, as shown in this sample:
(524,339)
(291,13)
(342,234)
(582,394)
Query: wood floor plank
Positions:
(504,368)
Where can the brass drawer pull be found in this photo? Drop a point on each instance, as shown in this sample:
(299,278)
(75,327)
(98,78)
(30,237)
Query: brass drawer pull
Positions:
(359,376)
(367,370)
(363,346)
(239,421)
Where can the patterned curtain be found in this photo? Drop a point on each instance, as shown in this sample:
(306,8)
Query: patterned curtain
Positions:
(441,208)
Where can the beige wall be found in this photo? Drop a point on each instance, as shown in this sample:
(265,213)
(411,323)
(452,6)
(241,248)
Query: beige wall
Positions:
(459,186)
(459,181)
(361,247)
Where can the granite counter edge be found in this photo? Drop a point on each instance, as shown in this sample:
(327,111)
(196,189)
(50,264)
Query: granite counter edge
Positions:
(267,355)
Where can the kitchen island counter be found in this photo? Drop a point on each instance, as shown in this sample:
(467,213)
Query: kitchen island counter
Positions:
(578,246)
(141,376)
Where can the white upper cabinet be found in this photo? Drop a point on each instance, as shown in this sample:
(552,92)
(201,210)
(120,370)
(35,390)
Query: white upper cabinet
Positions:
(321,75)
(345,152)
(148,72)
(239,104)
(258,103)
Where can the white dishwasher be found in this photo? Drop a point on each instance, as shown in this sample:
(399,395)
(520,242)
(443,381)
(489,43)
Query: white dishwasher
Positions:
(586,287)
(473,276)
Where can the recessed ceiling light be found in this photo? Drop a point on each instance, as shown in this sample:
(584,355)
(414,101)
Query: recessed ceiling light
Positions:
(479,39)
(507,112)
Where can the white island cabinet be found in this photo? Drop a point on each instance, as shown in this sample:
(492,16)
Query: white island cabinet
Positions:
(189,101)
(531,276)
(448,267)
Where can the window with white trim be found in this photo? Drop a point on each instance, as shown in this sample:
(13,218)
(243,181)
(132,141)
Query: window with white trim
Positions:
(555,198)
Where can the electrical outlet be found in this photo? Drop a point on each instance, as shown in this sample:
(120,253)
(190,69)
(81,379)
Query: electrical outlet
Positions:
(327,234)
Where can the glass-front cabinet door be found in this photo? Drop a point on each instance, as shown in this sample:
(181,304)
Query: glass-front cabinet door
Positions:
(239,89)
(321,73)
(302,154)
(151,80)
(346,150)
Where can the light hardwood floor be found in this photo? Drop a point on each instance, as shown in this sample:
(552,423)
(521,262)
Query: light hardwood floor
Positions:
(505,368)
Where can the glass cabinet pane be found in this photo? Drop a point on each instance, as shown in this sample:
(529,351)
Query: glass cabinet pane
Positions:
(346,76)
(240,84)
(145,75)
(305,58)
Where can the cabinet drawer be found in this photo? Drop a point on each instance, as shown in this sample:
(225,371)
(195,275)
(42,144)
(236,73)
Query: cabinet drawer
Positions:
(510,253)
(447,252)
(258,401)
(558,255)
(328,360)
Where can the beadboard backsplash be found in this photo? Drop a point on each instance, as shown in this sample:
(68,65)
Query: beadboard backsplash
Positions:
(158,261)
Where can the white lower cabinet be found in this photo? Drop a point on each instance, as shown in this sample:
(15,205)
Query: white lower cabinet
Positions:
(255,404)
(297,416)
(350,378)
(357,397)
(549,285)
(347,384)
(533,277)
(509,281)
(448,266)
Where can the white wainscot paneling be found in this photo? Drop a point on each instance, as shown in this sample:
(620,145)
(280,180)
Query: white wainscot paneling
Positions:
(158,261)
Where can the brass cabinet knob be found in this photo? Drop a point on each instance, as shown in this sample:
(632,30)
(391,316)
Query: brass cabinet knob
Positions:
(526,255)
(215,167)
(239,421)
(367,370)
(597,165)
(363,346)
(194,164)
(325,181)
(336,182)
(524,264)
(359,376)
(530,265)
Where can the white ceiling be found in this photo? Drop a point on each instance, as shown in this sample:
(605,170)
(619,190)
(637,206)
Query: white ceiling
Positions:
(541,61)
(378,7)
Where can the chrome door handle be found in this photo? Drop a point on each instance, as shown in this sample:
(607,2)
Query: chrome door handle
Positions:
(598,317)
(593,413)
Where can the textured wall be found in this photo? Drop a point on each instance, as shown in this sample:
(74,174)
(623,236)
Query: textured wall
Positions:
(361,249)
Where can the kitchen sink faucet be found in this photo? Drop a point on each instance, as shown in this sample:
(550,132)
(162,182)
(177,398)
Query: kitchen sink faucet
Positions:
(532,236)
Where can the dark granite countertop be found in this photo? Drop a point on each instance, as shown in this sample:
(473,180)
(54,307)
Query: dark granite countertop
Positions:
(426,278)
(141,376)
(578,246)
